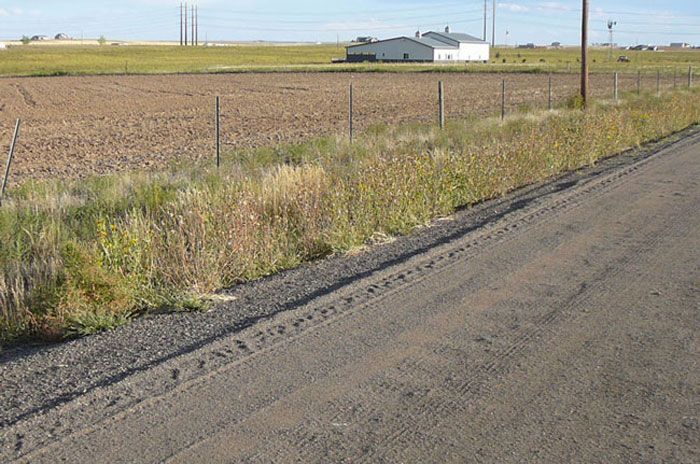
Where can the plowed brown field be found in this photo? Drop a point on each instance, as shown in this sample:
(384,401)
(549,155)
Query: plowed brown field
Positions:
(76,126)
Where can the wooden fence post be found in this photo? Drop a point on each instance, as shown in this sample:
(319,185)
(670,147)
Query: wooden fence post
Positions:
(218,132)
(690,76)
(441,104)
(351,110)
(503,99)
(11,155)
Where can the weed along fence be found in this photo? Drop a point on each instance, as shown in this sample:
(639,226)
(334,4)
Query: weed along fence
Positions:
(84,256)
(79,126)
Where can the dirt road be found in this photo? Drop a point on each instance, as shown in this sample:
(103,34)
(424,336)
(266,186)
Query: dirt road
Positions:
(564,331)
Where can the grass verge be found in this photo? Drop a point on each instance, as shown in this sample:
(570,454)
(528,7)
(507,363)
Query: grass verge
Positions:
(84,256)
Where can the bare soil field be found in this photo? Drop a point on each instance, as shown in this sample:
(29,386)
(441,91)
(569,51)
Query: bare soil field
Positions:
(78,126)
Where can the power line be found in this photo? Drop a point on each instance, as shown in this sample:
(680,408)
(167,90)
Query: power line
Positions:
(447,14)
(336,29)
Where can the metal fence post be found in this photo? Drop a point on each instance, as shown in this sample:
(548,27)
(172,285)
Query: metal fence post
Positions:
(218,132)
(615,86)
(9,160)
(503,99)
(639,82)
(441,104)
(351,110)
(549,94)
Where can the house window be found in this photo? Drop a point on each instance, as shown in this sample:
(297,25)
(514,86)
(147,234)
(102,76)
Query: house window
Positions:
(405,56)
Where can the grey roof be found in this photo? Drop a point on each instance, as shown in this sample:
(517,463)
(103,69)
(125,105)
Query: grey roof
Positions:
(433,43)
(457,36)
(427,41)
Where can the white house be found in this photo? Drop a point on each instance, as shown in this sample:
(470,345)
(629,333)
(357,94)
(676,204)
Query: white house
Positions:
(429,47)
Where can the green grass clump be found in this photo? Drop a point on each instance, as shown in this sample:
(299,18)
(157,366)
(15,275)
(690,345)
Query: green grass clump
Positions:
(82,256)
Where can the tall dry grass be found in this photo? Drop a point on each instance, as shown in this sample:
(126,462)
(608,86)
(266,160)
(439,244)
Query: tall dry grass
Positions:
(79,257)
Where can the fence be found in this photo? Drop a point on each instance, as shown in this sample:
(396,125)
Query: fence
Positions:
(97,125)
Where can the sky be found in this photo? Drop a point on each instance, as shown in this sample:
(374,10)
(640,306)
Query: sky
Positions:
(518,21)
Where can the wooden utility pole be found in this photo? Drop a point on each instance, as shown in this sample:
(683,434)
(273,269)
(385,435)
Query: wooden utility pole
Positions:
(196,28)
(186,24)
(181,18)
(493,32)
(192,26)
(486,12)
(584,54)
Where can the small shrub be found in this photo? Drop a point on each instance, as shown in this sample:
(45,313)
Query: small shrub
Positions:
(25,40)
(575,102)
(102,40)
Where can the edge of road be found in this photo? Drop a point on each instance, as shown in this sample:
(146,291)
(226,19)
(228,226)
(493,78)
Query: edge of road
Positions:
(39,378)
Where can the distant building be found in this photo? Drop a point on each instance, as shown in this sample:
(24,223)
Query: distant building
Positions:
(556,45)
(366,40)
(651,48)
(444,46)
(680,45)
(39,38)
(2,46)
(63,36)
(528,45)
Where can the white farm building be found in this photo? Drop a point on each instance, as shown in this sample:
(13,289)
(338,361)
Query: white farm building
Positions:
(429,47)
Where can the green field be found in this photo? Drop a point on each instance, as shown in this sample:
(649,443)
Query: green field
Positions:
(38,60)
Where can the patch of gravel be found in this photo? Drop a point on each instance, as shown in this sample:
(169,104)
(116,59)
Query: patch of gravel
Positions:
(35,378)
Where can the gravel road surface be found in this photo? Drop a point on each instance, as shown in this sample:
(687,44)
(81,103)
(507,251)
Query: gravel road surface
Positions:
(557,325)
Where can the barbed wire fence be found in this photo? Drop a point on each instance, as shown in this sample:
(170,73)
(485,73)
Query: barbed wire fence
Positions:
(441,97)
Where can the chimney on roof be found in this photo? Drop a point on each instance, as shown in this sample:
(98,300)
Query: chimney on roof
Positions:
(447,30)
(418,35)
